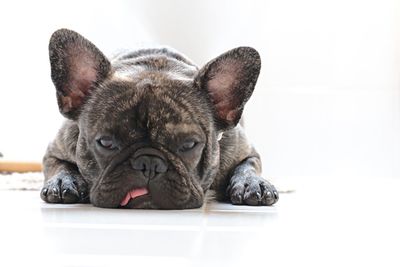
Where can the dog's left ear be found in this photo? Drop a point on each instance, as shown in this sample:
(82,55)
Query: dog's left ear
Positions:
(229,81)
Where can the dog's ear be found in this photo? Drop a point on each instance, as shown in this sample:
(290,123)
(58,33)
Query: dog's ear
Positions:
(77,67)
(229,81)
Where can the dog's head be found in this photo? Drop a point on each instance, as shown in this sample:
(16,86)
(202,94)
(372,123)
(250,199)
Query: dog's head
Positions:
(149,121)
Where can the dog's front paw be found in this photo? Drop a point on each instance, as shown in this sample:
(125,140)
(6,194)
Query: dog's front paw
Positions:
(254,191)
(64,188)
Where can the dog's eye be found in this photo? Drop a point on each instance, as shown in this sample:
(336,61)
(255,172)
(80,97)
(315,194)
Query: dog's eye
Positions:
(188,145)
(106,142)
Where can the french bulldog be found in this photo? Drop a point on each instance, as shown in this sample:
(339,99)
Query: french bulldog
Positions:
(149,129)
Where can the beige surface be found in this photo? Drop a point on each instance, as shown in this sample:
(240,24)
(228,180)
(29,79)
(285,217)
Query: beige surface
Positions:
(20,166)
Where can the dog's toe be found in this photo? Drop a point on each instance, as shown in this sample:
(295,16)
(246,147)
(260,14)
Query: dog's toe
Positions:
(236,194)
(70,195)
(51,192)
(269,194)
(252,195)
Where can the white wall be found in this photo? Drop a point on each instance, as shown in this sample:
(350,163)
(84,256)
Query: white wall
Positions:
(328,99)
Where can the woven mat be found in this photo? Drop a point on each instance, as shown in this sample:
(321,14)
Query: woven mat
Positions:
(31,181)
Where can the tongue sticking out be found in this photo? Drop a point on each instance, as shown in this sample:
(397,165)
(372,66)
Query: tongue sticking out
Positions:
(134,193)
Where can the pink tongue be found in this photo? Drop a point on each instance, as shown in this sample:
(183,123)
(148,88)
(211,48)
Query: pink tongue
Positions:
(134,193)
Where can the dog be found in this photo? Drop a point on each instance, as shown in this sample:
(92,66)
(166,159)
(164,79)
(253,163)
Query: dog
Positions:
(149,129)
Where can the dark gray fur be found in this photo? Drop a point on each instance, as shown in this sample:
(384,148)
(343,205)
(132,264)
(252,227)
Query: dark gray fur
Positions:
(154,102)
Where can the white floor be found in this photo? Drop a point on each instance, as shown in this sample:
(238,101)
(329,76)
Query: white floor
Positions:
(342,223)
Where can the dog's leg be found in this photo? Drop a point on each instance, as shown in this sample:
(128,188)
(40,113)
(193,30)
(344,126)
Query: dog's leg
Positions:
(63,182)
(247,187)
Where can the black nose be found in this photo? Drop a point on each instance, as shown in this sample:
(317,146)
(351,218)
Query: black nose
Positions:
(149,165)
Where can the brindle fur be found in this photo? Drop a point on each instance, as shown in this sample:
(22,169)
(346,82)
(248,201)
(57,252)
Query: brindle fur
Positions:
(151,98)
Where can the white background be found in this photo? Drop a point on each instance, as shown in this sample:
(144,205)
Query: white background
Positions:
(328,99)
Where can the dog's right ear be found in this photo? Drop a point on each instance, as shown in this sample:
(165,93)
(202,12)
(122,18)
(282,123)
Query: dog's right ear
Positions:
(77,67)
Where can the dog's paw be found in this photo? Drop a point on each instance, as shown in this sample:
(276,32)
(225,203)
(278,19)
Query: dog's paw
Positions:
(64,188)
(254,191)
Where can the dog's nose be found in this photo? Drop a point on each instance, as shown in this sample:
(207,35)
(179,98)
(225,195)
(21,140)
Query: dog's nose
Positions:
(149,165)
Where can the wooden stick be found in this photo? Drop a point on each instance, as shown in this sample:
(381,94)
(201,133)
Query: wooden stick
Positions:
(20,166)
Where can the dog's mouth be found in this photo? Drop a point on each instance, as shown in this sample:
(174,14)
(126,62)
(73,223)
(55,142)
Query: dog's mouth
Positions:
(133,195)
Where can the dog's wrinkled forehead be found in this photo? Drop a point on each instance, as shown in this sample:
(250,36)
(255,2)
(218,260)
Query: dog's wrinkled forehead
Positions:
(147,103)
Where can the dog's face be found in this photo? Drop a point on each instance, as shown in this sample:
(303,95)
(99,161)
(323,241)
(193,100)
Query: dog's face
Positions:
(149,122)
